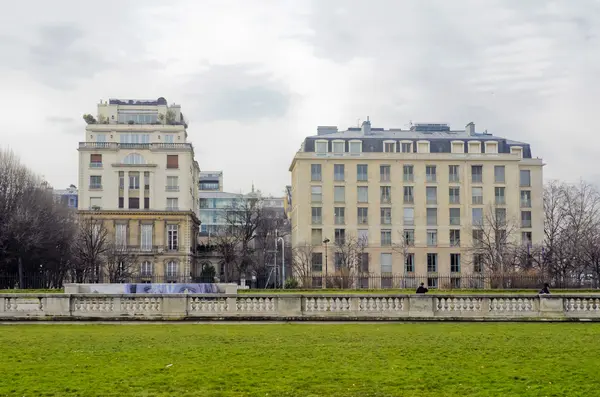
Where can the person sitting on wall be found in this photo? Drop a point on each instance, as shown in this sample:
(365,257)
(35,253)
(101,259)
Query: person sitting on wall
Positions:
(422,289)
(545,290)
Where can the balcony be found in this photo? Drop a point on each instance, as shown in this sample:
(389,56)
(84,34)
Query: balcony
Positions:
(525,203)
(147,146)
(95,186)
(172,208)
(172,188)
(96,164)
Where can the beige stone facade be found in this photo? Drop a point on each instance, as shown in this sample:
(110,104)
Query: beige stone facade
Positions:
(377,184)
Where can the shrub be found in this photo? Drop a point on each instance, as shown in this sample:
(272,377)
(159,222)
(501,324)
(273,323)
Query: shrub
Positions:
(291,283)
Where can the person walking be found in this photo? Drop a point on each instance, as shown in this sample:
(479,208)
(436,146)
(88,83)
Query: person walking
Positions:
(422,289)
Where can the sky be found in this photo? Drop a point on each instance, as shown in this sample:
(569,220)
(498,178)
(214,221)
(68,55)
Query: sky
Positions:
(256,77)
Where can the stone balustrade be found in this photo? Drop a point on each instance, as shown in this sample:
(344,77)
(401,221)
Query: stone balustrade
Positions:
(299,307)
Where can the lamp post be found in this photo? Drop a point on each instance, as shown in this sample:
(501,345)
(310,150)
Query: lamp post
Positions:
(326,270)
(282,260)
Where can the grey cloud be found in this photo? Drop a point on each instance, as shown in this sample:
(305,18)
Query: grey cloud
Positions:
(60,120)
(241,92)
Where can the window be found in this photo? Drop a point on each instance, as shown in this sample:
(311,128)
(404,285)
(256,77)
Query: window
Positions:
(385,173)
(172,237)
(172,161)
(477,174)
(363,236)
(477,237)
(363,194)
(134,202)
(101,138)
(526,238)
(364,262)
(134,180)
(430,172)
(409,263)
(146,269)
(172,183)
(454,194)
(477,263)
(477,195)
(147,180)
(409,216)
(474,147)
(386,194)
(525,218)
(431,238)
(316,237)
(121,235)
(168,138)
(363,215)
(317,262)
(500,214)
(316,194)
(499,174)
(431,216)
(315,172)
(499,196)
(340,215)
(139,117)
(432,282)
(389,147)
(339,194)
(455,216)
(147,203)
(386,216)
(316,215)
(386,263)
(121,180)
(409,237)
(338,172)
(362,172)
(96,161)
(339,147)
(355,147)
(525,178)
(453,173)
(321,147)
(338,261)
(134,159)
(340,236)
(172,204)
(171,269)
(455,263)
(432,263)
(477,215)
(386,238)
(146,238)
(406,147)
(409,197)
(95,182)
(525,198)
(431,193)
(454,238)
(408,174)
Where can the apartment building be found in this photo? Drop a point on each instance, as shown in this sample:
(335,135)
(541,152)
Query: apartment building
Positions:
(68,197)
(417,199)
(138,174)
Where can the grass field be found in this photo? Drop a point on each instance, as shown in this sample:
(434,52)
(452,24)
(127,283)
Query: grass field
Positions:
(424,359)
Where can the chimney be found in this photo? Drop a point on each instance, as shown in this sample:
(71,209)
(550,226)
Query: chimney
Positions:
(325,130)
(366,127)
(470,128)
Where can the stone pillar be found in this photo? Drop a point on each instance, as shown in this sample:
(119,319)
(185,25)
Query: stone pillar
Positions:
(126,189)
(151,192)
(421,305)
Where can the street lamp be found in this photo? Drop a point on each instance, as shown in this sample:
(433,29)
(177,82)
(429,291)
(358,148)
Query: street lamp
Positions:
(325,242)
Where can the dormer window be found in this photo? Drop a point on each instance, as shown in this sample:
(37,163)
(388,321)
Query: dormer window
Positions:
(458,147)
(423,147)
(389,146)
(339,147)
(518,150)
(355,147)
(406,146)
(491,147)
(321,147)
(475,147)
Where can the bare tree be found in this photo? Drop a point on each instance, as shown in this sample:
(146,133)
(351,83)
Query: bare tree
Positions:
(347,260)
(90,249)
(302,258)
(121,264)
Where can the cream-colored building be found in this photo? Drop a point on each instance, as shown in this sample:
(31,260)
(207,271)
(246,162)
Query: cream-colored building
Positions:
(416,197)
(137,172)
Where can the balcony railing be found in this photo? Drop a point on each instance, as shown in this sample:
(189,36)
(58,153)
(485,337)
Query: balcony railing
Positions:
(95,186)
(96,164)
(172,208)
(172,188)
(525,203)
(149,146)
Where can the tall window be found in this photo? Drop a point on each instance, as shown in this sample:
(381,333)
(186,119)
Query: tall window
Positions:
(453,173)
(134,203)
(409,263)
(406,147)
(477,195)
(386,238)
(431,216)
(316,215)
(146,238)
(499,196)
(409,216)
(386,263)
(386,194)
(385,173)
(477,215)
(455,216)
(173,183)
(363,236)
(499,174)
(389,147)
(362,172)
(431,238)
(340,236)
(431,193)
(134,158)
(430,173)
(316,237)
(525,218)
(477,174)
(173,237)
(363,215)
(146,269)
(315,172)
(409,197)
(454,194)
(340,215)
(121,235)
(500,216)
(339,194)
(525,178)
(355,147)
(121,180)
(454,237)
(95,161)
(432,263)
(134,180)
(172,203)
(525,198)
(147,180)
(339,147)
(386,216)
(338,172)
(455,263)
(363,194)
(364,262)
(408,173)
(477,263)
(477,237)
(317,262)
(171,269)
(95,182)
(409,237)
(316,194)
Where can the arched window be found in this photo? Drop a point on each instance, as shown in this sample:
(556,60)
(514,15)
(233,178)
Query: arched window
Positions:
(146,269)
(134,158)
(171,269)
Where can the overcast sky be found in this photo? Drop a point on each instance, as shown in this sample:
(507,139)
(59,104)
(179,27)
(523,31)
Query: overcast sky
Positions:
(256,77)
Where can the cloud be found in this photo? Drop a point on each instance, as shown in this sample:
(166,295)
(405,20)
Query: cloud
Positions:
(60,120)
(240,92)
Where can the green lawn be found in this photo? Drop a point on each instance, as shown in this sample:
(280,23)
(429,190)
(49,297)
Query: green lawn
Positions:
(423,359)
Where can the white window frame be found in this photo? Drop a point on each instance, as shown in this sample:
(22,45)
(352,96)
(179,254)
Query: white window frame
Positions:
(410,146)
(146,269)
(393,143)
(322,141)
(146,237)
(474,147)
(121,235)
(337,142)
(457,146)
(386,265)
(95,202)
(421,144)
(170,202)
(518,150)
(172,268)
(491,147)
(173,237)
(354,142)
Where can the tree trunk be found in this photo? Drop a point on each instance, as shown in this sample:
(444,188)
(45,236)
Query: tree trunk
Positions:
(21,278)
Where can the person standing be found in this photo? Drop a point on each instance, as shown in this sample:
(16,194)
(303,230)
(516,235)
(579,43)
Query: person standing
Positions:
(545,290)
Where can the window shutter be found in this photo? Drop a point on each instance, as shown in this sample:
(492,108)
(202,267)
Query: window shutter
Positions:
(96,158)
(172,161)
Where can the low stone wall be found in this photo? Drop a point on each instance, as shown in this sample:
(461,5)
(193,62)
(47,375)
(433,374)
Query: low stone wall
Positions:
(299,307)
